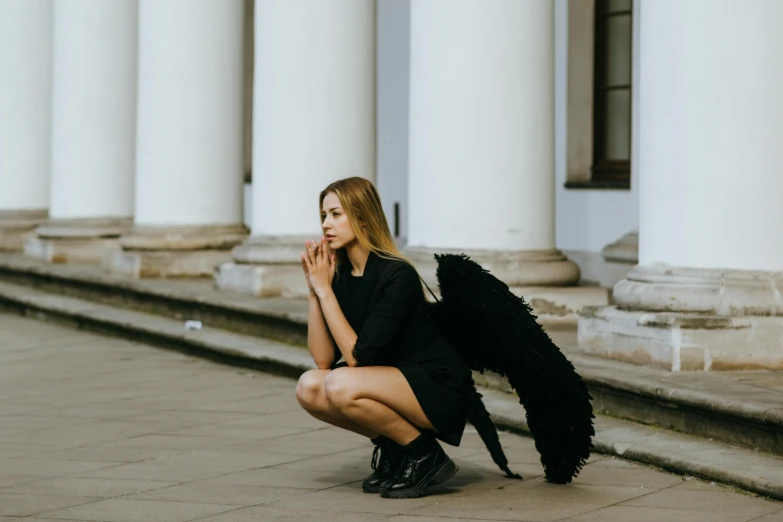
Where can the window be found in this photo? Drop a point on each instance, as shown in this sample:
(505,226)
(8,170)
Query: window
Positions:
(612,92)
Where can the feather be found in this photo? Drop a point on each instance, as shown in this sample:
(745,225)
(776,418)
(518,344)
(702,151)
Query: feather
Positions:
(479,417)
(495,330)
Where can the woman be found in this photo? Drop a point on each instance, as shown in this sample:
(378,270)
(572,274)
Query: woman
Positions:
(401,383)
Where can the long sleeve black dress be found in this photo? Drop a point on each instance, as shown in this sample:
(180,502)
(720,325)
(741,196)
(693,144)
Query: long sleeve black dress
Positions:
(387,310)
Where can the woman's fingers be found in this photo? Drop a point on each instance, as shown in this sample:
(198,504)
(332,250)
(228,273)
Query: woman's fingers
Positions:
(309,249)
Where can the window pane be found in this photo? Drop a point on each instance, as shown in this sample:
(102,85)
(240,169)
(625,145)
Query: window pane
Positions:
(618,48)
(617,5)
(617,131)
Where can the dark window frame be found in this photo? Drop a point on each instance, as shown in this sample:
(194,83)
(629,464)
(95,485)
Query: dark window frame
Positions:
(606,172)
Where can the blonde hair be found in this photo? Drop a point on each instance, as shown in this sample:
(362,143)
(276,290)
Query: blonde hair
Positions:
(362,206)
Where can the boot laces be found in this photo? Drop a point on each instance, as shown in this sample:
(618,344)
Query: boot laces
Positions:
(375,457)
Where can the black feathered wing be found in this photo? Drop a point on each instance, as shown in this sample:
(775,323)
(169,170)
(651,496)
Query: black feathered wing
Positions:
(495,330)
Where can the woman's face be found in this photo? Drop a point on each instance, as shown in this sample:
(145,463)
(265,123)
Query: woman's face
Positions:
(336,226)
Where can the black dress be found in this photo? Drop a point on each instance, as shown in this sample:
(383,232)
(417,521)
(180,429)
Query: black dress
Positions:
(387,310)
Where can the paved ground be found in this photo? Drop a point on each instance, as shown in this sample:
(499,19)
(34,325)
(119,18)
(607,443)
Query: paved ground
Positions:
(94,428)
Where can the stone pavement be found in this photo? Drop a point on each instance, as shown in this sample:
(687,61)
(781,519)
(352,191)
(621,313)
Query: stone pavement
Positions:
(100,429)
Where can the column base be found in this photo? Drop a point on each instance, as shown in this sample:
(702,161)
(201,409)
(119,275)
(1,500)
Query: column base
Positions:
(516,268)
(17,226)
(265,266)
(619,258)
(76,240)
(682,342)
(681,318)
(545,279)
(157,252)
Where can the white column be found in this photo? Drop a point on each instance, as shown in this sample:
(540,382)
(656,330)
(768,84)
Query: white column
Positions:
(25,115)
(313,123)
(189,138)
(93,127)
(707,291)
(711,129)
(482,136)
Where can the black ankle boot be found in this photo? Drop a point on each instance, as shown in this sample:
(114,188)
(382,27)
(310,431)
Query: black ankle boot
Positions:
(386,458)
(425,465)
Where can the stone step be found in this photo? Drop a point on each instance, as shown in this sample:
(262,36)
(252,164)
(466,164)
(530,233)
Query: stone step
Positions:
(754,471)
(703,404)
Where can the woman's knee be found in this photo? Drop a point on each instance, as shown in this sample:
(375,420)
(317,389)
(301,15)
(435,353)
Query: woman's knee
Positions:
(340,387)
(310,389)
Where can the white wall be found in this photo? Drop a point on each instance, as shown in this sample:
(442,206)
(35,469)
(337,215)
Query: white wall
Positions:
(393,70)
(588,219)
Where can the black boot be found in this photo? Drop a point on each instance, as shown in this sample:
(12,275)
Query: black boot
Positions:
(386,457)
(425,465)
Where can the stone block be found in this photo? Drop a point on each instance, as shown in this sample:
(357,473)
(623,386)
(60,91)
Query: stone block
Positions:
(155,264)
(268,280)
(681,341)
(77,250)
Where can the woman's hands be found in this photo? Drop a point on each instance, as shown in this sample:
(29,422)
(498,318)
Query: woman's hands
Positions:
(318,265)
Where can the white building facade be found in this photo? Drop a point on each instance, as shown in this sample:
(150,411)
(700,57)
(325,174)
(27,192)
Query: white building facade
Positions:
(572,147)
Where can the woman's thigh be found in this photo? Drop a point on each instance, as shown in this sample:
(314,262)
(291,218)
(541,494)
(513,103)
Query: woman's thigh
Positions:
(384,384)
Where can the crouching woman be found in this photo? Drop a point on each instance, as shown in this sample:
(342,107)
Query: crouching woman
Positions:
(401,384)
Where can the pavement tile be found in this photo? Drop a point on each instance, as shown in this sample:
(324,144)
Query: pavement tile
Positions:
(10,479)
(246,432)
(312,479)
(315,442)
(270,514)
(681,498)
(507,508)
(352,499)
(238,494)
(622,476)
(85,487)
(23,449)
(294,419)
(107,453)
(188,418)
(185,467)
(20,505)
(539,489)
(126,510)
(410,518)
(50,467)
(774,517)
(37,422)
(175,442)
(656,514)
(82,434)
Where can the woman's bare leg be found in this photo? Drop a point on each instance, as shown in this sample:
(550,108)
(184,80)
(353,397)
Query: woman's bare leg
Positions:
(378,398)
(311,395)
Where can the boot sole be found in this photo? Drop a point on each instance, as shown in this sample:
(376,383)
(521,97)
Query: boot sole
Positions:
(370,489)
(437,476)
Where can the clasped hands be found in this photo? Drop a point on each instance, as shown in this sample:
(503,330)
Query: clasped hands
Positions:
(318,265)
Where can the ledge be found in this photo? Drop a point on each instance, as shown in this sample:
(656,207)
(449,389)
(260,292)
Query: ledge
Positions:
(598,185)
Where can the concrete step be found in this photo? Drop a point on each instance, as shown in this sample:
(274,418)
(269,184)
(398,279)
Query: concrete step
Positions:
(754,471)
(710,405)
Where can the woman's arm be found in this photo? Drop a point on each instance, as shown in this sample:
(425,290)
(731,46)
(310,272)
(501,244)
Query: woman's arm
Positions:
(341,331)
(319,340)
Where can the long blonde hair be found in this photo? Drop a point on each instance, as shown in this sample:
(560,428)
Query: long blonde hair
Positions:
(362,206)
